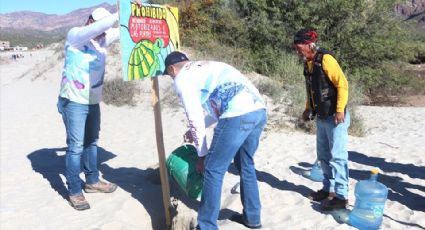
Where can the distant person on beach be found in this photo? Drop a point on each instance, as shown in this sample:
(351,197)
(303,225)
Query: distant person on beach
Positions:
(327,96)
(79,98)
(229,98)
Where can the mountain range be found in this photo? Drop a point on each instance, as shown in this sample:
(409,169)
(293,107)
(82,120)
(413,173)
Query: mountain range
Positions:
(48,22)
(26,28)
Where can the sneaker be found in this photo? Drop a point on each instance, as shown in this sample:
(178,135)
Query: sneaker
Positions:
(238,218)
(321,195)
(334,204)
(79,202)
(101,187)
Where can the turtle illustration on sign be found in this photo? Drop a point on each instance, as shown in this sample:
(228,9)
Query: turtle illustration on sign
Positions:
(154,31)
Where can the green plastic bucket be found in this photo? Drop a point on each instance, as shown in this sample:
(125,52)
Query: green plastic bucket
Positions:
(181,165)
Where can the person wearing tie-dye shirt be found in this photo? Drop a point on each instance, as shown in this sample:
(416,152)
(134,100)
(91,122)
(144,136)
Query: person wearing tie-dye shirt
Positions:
(79,97)
(215,92)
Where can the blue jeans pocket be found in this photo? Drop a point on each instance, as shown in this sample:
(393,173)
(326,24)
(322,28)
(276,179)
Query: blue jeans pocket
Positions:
(247,125)
(62,102)
(217,133)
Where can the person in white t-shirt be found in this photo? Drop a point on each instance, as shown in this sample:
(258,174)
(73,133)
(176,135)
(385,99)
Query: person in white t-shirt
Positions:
(79,98)
(217,92)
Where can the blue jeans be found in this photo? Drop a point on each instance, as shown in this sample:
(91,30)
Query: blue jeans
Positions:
(82,124)
(236,139)
(331,144)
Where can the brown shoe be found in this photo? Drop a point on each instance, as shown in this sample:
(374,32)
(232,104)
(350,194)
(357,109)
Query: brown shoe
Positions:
(334,203)
(79,202)
(101,187)
(321,195)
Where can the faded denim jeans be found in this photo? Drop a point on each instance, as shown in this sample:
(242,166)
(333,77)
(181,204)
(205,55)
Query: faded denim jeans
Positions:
(236,139)
(82,124)
(331,145)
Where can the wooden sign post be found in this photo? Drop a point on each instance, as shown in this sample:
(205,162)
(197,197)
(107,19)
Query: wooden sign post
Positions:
(161,151)
(148,34)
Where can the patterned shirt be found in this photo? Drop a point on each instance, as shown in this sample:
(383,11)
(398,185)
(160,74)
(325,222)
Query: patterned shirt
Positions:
(217,89)
(84,69)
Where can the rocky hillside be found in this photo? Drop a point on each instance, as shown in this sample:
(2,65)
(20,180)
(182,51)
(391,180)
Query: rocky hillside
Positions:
(412,10)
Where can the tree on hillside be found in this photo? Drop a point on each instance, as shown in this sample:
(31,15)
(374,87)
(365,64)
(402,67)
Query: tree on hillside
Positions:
(365,35)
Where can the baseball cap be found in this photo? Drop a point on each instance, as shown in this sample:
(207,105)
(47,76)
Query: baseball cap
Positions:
(100,13)
(173,58)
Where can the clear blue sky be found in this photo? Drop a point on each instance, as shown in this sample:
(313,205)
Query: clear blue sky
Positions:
(49,6)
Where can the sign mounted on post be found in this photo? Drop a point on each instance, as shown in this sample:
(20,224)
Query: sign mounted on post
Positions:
(148,34)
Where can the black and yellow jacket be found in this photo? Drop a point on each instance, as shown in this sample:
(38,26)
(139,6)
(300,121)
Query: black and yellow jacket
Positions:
(327,87)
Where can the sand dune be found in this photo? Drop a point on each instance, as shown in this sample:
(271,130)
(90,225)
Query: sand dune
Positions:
(33,192)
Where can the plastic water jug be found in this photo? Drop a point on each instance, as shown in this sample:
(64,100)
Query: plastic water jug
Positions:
(181,165)
(316,173)
(370,201)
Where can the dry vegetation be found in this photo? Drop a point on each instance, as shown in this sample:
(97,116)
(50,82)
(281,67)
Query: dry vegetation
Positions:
(285,99)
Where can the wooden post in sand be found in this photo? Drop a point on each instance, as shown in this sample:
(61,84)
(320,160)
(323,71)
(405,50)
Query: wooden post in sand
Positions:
(161,151)
(142,59)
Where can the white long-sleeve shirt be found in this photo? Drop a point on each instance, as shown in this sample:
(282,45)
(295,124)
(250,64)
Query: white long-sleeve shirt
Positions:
(85,56)
(217,89)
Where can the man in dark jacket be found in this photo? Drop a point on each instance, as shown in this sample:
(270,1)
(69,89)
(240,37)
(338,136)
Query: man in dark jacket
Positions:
(327,96)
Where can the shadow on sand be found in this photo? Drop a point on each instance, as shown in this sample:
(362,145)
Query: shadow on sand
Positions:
(398,189)
(50,163)
(143,184)
(275,182)
(411,170)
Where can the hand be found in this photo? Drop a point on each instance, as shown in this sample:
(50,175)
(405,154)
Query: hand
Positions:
(200,165)
(306,115)
(187,137)
(138,2)
(339,117)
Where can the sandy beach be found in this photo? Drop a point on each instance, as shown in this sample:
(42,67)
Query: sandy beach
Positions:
(32,183)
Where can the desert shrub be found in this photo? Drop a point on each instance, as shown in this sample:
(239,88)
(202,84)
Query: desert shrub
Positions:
(289,69)
(392,78)
(170,99)
(118,92)
(357,127)
(58,47)
(252,34)
(366,37)
(297,96)
(208,48)
(270,88)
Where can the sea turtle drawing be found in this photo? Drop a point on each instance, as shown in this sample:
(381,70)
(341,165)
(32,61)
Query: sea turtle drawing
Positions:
(144,59)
